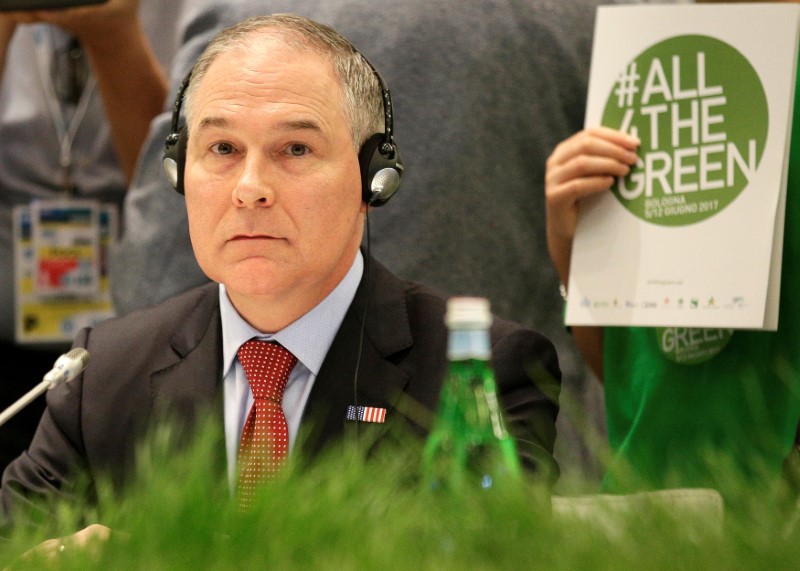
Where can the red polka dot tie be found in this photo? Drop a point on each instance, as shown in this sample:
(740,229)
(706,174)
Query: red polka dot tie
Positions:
(265,438)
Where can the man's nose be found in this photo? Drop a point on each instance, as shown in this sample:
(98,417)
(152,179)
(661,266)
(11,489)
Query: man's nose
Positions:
(252,188)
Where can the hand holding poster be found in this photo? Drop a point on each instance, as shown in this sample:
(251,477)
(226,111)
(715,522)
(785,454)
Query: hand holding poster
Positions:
(693,235)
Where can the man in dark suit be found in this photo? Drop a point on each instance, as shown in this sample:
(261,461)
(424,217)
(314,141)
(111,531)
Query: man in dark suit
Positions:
(287,148)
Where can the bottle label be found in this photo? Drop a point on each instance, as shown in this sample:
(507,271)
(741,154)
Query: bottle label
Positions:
(468,344)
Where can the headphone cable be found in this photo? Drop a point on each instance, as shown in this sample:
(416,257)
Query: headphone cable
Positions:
(368,287)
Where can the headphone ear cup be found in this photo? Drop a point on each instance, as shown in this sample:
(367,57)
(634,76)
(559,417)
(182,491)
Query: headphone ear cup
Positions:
(174,160)
(381,171)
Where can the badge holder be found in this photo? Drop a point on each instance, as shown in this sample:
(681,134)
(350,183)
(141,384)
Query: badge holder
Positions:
(60,268)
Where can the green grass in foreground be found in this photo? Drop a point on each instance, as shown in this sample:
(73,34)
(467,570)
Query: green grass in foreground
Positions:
(347,513)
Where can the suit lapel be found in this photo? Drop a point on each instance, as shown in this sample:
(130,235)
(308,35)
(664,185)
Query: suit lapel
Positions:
(186,380)
(380,383)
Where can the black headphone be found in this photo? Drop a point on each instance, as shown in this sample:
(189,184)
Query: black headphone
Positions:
(379,159)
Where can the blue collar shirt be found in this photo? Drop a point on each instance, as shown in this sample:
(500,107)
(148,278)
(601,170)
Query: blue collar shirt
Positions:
(308,338)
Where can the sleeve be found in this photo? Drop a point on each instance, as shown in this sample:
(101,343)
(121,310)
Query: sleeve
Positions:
(54,467)
(529,383)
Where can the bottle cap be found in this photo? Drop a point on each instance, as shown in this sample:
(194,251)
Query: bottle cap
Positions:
(468,312)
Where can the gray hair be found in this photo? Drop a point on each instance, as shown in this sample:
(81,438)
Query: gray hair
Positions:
(363,102)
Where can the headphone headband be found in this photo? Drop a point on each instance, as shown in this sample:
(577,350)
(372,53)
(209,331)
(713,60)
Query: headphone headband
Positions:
(388,119)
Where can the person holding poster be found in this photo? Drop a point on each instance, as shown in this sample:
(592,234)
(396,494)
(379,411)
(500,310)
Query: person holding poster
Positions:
(723,411)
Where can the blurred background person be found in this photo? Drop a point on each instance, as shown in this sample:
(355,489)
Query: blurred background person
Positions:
(78,90)
(727,422)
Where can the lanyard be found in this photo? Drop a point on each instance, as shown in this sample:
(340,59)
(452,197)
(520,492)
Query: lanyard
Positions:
(65,130)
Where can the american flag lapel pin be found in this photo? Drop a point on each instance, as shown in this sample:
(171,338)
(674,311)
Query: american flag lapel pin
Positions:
(366,413)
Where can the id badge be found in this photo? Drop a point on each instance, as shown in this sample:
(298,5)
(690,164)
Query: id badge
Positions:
(61,278)
(66,247)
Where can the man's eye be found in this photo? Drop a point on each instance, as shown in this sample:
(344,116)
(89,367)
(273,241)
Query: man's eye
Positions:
(298,150)
(222,148)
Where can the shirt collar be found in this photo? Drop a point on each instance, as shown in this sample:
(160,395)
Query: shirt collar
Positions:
(309,337)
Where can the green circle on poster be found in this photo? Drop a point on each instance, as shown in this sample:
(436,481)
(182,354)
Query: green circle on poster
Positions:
(700,111)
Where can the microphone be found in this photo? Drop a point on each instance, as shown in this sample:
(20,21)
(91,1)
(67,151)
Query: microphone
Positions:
(67,367)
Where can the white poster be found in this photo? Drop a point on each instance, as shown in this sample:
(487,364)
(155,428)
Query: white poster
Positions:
(693,236)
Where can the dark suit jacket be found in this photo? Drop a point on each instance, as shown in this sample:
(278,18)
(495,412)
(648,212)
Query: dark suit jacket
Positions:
(171,355)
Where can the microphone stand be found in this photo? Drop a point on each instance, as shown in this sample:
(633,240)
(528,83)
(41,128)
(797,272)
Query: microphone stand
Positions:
(24,401)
